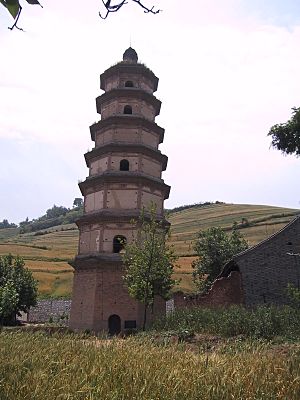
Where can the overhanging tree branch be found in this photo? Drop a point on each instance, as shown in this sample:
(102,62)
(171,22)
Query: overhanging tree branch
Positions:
(116,7)
(14,8)
(16,21)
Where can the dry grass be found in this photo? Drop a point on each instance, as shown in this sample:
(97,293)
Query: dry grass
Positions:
(183,274)
(48,266)
(25,250)
(58,284)
(185,282)
(37,367)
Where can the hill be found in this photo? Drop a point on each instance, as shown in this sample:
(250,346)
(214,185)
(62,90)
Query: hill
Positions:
(48,251)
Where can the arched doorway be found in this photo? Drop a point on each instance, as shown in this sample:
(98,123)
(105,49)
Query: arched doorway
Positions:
(114,324)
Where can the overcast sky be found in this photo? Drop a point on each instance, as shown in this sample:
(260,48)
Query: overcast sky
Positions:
(228,70)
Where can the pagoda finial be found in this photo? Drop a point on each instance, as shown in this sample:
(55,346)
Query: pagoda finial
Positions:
(130,55)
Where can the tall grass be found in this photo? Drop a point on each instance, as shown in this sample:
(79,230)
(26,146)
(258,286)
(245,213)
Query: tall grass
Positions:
(262,322)
(37,367)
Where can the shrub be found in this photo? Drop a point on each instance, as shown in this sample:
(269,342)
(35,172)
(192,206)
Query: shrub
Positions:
(261,322)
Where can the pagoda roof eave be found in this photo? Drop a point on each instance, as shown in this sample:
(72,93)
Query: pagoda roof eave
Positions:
(127,120)
(128,147)
(124,177)
(123,67)
(132,93)
(111,215)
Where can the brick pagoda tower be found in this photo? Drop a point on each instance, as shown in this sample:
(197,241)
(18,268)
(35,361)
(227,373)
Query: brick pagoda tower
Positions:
(125,169)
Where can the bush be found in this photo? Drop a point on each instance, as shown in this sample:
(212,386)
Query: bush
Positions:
(261,322)
(18,289)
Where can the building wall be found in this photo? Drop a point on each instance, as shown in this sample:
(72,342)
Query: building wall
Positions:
(124,197)
(137,163)
(99,237)
(47,310)
(134,135)
(138,81)
(267,269)
(223,293)
(100,293)
(139,108)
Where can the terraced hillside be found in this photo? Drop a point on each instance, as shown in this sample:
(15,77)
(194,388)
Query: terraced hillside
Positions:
(47,252)
(256,222)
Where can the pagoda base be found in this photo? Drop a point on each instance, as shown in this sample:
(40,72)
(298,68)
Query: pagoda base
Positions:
(101,301)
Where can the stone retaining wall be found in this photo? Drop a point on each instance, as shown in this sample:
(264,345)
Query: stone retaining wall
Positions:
(50,311)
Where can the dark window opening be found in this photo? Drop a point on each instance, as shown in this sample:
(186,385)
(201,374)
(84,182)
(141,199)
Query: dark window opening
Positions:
(127,110)
(130,325)
(124,165)
(128,84)
(119,243)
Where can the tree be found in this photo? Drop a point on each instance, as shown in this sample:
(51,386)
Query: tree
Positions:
(214,248)
(56,211)
(18,288)
(14,8)
(8,301)
(286,137)
(149,262)
(78,202)
(5,224)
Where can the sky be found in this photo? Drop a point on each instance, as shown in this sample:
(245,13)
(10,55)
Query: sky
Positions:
(228,70)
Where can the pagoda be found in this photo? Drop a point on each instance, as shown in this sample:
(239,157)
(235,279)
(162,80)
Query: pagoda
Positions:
(125,168)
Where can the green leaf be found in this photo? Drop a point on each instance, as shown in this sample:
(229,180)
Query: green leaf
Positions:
(33,2)
(13,7)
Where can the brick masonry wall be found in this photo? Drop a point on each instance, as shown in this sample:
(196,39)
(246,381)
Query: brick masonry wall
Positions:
(268,267)
(46,310)
(99,293)
(223,293)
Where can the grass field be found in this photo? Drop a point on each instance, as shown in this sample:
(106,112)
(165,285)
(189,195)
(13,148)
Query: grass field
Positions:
(48,254)
(41,367)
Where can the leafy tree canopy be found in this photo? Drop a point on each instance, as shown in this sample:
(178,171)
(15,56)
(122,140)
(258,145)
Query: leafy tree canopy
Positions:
(5,224)
(149,262)
(56,211)
(18,288)
(286,137)
(78,202)
(214,248)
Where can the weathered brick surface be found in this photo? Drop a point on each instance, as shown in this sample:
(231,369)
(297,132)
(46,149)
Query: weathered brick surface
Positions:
(100,293)
(267,268)
(224,292)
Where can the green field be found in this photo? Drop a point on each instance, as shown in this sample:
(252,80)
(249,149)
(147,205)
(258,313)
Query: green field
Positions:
(47,254)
